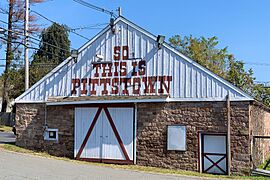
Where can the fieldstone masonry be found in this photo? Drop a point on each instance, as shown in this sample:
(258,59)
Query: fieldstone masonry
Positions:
(152,122)
(30,121)
(260,126)
(208,117)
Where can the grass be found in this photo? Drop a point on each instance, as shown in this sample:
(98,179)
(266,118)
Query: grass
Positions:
(5,128)
(155,170)
(262,166)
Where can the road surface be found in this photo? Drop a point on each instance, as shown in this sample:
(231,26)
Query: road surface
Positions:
(23,166)
(7,137)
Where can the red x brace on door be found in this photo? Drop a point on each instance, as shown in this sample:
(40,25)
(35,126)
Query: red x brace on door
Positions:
(124,151)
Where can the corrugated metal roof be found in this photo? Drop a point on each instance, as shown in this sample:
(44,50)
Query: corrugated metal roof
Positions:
(142,69)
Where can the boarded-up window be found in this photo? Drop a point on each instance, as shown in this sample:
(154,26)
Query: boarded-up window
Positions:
(176,138)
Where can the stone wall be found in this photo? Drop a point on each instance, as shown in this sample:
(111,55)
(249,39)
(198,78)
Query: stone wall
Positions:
(30,120)
(260,125)
(208,117)
(152,121)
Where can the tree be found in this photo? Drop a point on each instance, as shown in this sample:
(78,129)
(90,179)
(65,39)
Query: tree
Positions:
(15,13)
(16,81)
(265,96)
(205,52)
(53,49)
(241,78)
(9,56)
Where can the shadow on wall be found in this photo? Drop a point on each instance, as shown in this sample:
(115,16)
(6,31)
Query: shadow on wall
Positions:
(30,120)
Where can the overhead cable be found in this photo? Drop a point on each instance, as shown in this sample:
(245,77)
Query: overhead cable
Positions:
(87,4)
(36,39)
(46,52)
(44,17)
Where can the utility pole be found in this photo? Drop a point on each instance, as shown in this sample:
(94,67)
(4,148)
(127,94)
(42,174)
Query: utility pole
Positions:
(5,98)
(26,60)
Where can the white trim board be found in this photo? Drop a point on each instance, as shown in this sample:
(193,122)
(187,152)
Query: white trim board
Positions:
(134,101)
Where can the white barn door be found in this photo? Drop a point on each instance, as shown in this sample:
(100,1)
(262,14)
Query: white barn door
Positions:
(123,121)
(83,119)
(214,153)
(104,134)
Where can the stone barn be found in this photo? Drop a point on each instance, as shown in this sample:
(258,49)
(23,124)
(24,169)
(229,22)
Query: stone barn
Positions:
(130,98)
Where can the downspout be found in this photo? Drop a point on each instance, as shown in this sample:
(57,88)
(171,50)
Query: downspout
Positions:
(229,133)
(45,126)
(135,134)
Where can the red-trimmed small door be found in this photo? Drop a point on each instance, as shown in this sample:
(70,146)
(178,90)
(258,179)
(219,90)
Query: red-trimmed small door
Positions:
(214,153)
(104,134)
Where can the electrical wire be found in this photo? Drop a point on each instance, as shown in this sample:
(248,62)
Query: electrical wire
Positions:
(12,41)
(72,30)
(88,27)
(86,4)
(21,34)
(12,59)
(44,17)
(257,64)
(46,52)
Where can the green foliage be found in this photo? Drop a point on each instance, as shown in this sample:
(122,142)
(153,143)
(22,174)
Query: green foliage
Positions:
(205,52)
(16,81)
(262,94)
(238,76)
(54,48)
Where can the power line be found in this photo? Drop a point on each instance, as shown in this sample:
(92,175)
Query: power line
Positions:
(70,29)
(43,50)
(86,4)
(21,34)
(12,60)
(44,17)
(265,84)
(46,52)
(94,26)
(262,82)
(38,65)
(257,64)
(12,41)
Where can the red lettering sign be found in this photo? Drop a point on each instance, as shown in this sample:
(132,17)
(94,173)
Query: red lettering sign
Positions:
(117,53)
(121,77)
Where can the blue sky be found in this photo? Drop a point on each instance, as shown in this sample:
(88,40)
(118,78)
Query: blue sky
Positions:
(242,25)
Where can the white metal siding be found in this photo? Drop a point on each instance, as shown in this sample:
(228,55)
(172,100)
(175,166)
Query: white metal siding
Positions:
(189,80)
